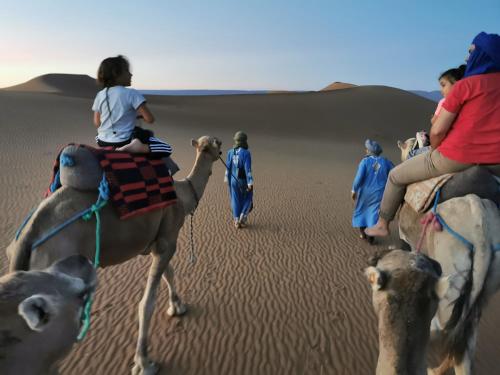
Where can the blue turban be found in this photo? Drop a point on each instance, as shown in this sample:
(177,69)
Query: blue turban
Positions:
(486,55)
(373,147)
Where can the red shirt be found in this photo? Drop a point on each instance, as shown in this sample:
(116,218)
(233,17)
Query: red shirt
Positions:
(474,136)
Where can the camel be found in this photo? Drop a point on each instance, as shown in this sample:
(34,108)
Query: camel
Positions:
(41,313)
(405,293)
(406,147)
(154,232)
(474,269)
(421,140)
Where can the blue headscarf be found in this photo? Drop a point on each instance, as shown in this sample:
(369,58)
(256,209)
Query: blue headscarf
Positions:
(486,55)
(373,147)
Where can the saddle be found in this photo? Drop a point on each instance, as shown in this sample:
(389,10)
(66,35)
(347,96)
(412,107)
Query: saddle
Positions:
(475,180)
(137,183)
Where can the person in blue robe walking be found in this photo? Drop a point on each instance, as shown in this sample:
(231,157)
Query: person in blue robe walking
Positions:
(240,180)
(368,188)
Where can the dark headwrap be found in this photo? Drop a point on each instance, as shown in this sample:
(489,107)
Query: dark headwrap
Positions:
(240,140)
(373,147)
(485,58)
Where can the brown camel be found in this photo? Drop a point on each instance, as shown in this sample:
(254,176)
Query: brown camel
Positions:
(405,298)
(154,232)
(40,315)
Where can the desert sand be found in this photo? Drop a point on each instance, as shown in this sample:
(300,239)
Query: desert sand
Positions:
(286,295)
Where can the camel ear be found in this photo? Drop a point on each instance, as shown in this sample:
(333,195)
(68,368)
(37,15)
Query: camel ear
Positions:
(376,278)
(37,311)
(194,143)
(401,144)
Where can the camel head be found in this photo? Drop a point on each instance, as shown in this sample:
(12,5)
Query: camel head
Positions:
(406,147)
(406,288)
(209,145)
(41,314)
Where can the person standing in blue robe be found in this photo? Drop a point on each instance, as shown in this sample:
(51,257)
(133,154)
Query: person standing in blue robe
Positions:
(240,180)
(368,187)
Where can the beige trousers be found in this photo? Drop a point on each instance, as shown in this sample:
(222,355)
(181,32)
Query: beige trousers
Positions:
(419,168)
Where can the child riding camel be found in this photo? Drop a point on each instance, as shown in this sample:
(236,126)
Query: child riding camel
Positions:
(117,109)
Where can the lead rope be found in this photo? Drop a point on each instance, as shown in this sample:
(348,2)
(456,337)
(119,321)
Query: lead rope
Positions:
(94,210)
(192,256)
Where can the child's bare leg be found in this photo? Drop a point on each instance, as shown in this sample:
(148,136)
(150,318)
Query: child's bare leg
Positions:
(135,147)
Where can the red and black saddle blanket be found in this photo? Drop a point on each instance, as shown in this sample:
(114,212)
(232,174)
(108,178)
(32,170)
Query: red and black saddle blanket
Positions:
(137,183)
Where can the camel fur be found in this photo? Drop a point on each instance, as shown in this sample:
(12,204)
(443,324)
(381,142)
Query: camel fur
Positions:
(405,289)
(474,273)
(41,313)
(154,232)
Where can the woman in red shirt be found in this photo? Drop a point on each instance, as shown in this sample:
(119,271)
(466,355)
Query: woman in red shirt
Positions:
(466,133)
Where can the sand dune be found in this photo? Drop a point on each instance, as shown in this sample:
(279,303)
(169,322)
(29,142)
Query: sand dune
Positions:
(338,86)
(80,85)
(285,296)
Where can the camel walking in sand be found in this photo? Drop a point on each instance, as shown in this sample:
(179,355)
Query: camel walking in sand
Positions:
(154,232)
(472,263)
(40,315)
(406,288)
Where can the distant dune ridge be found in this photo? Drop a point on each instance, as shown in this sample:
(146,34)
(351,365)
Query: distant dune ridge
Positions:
(338,86)
(80,85)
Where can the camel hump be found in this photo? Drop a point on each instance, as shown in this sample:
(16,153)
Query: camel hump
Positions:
(475,180)
(79,168)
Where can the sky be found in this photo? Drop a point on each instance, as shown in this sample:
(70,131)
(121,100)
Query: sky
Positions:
(253,44)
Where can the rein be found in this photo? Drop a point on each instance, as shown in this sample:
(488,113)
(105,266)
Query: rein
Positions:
(195,195)
(231,174)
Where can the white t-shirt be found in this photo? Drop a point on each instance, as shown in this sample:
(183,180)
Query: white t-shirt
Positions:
(123,103)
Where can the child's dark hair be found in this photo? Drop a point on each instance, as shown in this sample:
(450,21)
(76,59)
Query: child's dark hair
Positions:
(110,69)
(455,74)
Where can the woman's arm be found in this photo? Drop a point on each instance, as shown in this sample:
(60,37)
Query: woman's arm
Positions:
(145,113)
(441,127)
(97,119)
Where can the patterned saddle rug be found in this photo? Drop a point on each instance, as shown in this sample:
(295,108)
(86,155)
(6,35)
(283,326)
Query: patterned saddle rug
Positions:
(137,183)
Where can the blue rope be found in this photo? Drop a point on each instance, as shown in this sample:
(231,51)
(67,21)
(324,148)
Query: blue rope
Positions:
(455,234)
(60,227)
(25,221)
(94,210)
(86,215)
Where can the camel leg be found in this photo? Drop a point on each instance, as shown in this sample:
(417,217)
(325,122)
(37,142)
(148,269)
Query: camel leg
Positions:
(176,307)
(143,366)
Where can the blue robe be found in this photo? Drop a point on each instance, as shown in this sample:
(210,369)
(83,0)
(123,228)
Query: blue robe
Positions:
(369,185)
(239,176)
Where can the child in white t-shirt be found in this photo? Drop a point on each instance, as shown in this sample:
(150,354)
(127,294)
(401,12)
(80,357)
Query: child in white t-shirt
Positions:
(117,108)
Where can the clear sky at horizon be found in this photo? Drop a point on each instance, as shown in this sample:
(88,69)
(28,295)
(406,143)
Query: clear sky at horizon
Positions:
(274,44)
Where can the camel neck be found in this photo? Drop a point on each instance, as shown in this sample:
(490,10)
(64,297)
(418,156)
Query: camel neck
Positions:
(404,354)
(200,173)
